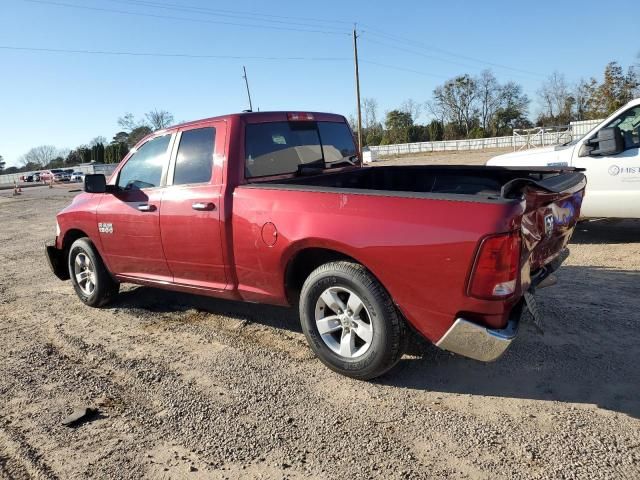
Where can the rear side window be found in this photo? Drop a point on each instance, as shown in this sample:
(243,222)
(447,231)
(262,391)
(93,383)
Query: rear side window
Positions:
(144,167)
(277,148)
(195,156)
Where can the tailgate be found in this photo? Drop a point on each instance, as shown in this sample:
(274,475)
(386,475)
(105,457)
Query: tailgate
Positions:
(552,211)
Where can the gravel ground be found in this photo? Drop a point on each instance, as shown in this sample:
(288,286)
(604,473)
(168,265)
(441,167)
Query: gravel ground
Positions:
(193,387)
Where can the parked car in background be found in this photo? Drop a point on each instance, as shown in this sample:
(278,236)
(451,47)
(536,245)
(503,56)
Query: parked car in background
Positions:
(36,177)
(610,156)
(28,178)
(55,174)
(77,177)
(46,176)
(275,207)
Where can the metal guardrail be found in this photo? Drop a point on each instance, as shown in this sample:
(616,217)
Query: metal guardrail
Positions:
(538,137)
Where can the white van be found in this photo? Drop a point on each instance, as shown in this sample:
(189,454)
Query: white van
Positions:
(610,154)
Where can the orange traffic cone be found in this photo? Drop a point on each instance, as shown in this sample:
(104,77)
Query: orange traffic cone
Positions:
(51,182)
(15,189)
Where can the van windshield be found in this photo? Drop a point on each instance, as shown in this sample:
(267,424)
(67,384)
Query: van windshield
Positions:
(277,148)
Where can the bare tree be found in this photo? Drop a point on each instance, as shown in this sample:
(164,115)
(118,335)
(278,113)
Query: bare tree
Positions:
(127,121)
(456,101)
(490,98)
(411,107)
(369,112)
(40,155)
(159,119)
(555,97)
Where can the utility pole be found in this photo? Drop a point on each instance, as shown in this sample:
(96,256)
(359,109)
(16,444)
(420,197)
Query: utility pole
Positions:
(246,81)
(355,58)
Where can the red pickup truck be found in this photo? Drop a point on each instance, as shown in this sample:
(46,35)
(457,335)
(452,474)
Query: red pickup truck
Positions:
(276,208)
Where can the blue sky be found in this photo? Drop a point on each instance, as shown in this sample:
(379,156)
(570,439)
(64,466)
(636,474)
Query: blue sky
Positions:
(66,99)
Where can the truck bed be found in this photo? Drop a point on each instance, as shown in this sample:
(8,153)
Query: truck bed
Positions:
(477,183)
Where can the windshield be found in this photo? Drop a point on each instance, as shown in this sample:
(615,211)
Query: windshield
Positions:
(277,148)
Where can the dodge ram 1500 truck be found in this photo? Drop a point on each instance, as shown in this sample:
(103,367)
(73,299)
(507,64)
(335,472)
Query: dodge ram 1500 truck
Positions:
(275,207)
(610,157)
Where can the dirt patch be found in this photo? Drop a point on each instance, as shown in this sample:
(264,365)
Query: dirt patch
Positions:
(473,157)
(193,387)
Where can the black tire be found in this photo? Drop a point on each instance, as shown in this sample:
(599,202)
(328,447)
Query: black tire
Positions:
(389,335)
(105,287)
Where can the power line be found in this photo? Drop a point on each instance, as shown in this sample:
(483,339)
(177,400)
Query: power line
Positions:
(169,55)
(395,67)
(423,46)
(233,13)
(189,19)
(424,55)
(204,56)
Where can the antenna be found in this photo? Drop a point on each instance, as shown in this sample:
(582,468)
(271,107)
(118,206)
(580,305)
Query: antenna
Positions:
(246,81)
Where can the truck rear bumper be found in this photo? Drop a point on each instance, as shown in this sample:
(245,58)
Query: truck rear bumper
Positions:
(487,344)
(480,343)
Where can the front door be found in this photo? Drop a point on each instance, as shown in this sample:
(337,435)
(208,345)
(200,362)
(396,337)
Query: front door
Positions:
(190,211)
(129,219)
(613,188)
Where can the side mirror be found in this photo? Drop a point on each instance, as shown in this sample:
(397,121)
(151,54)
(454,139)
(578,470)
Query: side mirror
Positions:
(96,183)
(608,142)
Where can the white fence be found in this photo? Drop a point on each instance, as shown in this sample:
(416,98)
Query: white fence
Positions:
(104,168)
(538,137)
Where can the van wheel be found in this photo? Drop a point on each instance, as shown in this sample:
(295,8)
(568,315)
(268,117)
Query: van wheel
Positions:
(91,280)
(350,321)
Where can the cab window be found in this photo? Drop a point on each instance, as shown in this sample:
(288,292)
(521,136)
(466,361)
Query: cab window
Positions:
(144,167)
(629,124)
(194,161)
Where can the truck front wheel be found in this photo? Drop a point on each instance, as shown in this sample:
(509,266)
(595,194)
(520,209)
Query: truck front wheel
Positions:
(91,280)
(350,322)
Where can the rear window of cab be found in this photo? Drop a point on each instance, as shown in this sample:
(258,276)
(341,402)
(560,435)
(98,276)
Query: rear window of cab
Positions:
(277,148)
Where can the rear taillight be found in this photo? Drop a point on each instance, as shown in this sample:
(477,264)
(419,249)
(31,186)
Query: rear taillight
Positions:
(495,272)
(300,117)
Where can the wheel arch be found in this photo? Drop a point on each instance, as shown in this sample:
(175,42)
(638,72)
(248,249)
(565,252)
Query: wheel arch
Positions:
(306,259)
(71,236)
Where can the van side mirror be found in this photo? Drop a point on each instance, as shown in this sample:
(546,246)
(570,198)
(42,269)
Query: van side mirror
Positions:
(95,183)
(609,141)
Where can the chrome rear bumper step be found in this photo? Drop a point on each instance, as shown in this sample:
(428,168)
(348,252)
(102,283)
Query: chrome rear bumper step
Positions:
(480,343)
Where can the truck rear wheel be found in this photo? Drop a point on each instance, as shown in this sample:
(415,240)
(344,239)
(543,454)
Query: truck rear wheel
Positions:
(91,280)
(350,322)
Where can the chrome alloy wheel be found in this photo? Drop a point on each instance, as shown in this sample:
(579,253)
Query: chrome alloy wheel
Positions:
(84,271)
(343,322)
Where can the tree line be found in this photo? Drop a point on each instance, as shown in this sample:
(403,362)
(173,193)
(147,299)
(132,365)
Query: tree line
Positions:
(468,106)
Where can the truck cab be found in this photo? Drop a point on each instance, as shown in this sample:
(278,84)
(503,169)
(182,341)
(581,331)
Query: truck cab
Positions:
(610,157)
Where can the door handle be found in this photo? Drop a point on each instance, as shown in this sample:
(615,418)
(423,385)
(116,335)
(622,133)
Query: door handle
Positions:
(145,207)
(203,206)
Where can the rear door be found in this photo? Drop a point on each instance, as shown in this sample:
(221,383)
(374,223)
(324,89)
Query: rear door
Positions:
(614,181)
(129,220)
(190,212)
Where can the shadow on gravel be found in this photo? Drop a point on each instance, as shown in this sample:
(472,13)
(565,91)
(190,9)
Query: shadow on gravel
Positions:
(164,301)
(589,353)
(607,231)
